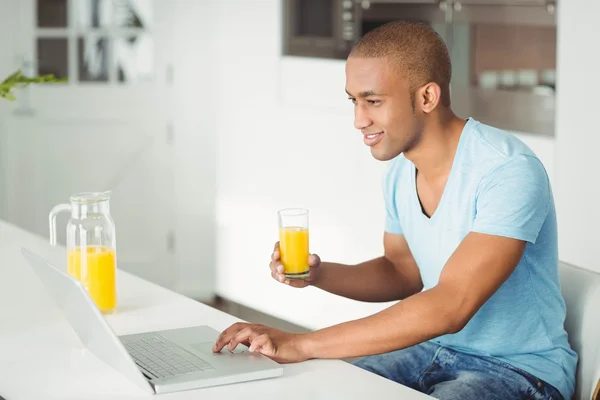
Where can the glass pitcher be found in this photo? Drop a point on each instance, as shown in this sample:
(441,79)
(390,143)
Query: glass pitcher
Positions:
(91,246)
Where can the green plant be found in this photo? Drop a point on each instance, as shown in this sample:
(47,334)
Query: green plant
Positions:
(18,80)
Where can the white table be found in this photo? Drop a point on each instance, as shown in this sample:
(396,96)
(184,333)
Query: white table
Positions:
(42,358)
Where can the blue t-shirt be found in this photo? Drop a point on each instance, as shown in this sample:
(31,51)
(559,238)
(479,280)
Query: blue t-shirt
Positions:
(496,186)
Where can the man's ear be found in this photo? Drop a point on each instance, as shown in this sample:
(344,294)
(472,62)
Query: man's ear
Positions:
(428,97)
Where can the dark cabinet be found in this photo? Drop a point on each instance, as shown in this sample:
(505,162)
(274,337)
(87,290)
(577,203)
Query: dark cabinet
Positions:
(503,51)
(319,28)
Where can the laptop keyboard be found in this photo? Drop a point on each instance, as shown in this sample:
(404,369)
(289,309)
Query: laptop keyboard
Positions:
(164,359)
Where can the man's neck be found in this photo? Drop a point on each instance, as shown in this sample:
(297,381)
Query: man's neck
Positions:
(433,156)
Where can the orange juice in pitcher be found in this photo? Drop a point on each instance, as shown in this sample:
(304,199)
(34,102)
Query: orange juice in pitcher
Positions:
(91,246)
(95,268)
(293,243)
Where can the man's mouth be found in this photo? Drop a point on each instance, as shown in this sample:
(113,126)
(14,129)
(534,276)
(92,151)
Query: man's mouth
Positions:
(373,138)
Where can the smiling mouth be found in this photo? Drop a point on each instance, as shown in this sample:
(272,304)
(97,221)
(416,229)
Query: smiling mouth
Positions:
(373,138)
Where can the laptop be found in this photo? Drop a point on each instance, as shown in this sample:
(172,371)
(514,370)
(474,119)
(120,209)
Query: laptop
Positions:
(158,362)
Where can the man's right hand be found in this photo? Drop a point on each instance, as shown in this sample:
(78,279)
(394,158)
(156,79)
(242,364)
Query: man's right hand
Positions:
(277,270)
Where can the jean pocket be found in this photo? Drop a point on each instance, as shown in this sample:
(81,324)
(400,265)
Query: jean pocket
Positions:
(536,389)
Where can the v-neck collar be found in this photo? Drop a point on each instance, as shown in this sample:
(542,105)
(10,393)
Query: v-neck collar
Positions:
(413,174)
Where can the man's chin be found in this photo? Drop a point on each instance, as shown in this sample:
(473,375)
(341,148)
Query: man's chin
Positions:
(382,155)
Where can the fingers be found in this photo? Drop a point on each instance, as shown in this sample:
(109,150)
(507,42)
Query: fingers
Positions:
(262,344)
(297,283)
(314,260)
(253,336)
(277,273)
(228,334)
(245,335)
(275,256)
(277,270)
(275,265)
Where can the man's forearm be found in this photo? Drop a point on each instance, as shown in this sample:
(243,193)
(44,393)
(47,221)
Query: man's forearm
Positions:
(421,317)
(372,281)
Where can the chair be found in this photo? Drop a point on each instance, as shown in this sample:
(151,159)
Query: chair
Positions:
(581,291)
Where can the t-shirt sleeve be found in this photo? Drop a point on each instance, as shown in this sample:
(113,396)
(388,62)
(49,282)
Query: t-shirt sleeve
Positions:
(390,181)
(513,199)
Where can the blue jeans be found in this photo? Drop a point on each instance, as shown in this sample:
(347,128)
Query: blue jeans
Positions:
(446,374)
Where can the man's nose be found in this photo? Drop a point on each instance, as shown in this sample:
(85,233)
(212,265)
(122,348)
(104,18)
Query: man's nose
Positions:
(361,118)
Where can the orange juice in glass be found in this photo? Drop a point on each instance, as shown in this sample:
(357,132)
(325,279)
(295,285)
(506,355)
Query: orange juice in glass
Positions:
(293,242)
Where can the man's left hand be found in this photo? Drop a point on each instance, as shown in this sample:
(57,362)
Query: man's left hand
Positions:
(282,347)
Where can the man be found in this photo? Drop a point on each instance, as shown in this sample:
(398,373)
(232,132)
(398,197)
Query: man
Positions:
(470,244)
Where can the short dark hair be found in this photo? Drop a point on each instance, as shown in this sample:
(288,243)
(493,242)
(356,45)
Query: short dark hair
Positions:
(414,47)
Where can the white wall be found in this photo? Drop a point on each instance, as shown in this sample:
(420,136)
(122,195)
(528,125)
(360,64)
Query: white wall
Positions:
(578,134)
(194,130)
(286,138)
(6,68)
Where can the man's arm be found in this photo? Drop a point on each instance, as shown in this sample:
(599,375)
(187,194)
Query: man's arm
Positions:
(395,276)
(513,202)
(475,271)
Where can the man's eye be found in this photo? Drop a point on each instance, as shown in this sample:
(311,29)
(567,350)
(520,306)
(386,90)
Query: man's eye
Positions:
(352,99)
(374,102)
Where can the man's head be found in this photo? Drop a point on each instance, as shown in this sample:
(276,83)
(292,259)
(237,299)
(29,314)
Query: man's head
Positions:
(397,75)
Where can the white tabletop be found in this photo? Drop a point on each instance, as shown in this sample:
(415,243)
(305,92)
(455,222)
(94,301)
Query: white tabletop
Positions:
(42,358)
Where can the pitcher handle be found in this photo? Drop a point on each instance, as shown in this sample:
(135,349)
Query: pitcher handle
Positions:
(52,220)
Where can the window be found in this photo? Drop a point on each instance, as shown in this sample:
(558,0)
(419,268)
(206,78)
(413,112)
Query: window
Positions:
(95,41)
